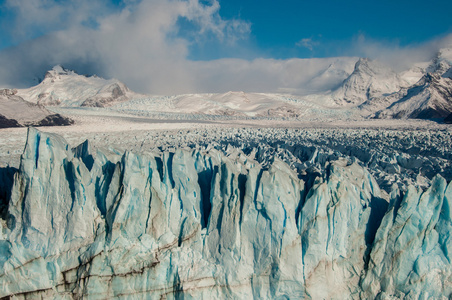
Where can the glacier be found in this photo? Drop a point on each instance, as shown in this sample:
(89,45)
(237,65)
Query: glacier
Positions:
(207,223)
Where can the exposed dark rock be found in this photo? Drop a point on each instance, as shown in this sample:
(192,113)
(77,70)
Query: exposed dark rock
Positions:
(8,92)
(6,123)
(55,120)
(448,119)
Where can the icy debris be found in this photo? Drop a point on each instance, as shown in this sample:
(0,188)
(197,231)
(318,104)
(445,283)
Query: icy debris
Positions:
(412,155)
(407,156)
(201,223)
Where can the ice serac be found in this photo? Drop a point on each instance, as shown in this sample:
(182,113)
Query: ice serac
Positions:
(411,252)
(187,222)
(208,224)
(337,225)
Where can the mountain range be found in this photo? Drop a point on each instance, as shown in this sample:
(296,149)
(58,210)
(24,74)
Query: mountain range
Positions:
(371,90)
(430,97)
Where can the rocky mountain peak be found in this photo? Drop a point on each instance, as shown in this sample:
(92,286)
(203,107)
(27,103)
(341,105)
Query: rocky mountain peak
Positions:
(365,65)
(369,79)
(441,62)
(56,72)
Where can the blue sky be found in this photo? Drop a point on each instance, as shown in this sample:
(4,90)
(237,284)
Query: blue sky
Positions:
(330,27)
(116,38)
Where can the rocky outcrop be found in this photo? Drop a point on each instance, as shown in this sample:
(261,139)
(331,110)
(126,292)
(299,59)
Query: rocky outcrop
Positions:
(16,112)
(8,92)
(7,123)
(108,95)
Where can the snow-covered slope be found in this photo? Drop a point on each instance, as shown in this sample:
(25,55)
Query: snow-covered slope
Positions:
(66,88)
(231,103)
(366,88)
(16,112)
(238,104)
(204,224)
(430,97)
(370,79)
(333,75)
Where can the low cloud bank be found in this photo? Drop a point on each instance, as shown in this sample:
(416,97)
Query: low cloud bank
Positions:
(143,44)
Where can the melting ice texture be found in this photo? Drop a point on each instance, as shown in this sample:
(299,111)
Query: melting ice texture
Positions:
(199,224)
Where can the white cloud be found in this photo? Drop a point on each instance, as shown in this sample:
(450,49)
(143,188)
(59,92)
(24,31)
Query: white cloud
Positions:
(265,75)
(308,43)
(141,45)
(397,56)
(34,18)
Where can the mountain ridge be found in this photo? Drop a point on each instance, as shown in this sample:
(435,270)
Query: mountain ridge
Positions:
(370,79)
(429,98)
(62,87)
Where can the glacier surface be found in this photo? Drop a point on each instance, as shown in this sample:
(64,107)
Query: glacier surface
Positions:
(205,223)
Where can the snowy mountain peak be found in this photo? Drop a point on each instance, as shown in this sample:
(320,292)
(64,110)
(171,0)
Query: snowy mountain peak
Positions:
(64,87)
(446,54)
(430,97)
(335,69)
(369,79)
(366,66)
(58,71)
(442,61)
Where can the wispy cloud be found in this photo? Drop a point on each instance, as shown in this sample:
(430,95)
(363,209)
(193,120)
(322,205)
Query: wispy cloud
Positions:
(35,18)
(397,56)
(308,43)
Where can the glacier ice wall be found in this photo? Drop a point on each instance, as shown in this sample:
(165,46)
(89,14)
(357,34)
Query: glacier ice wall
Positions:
(202,224)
